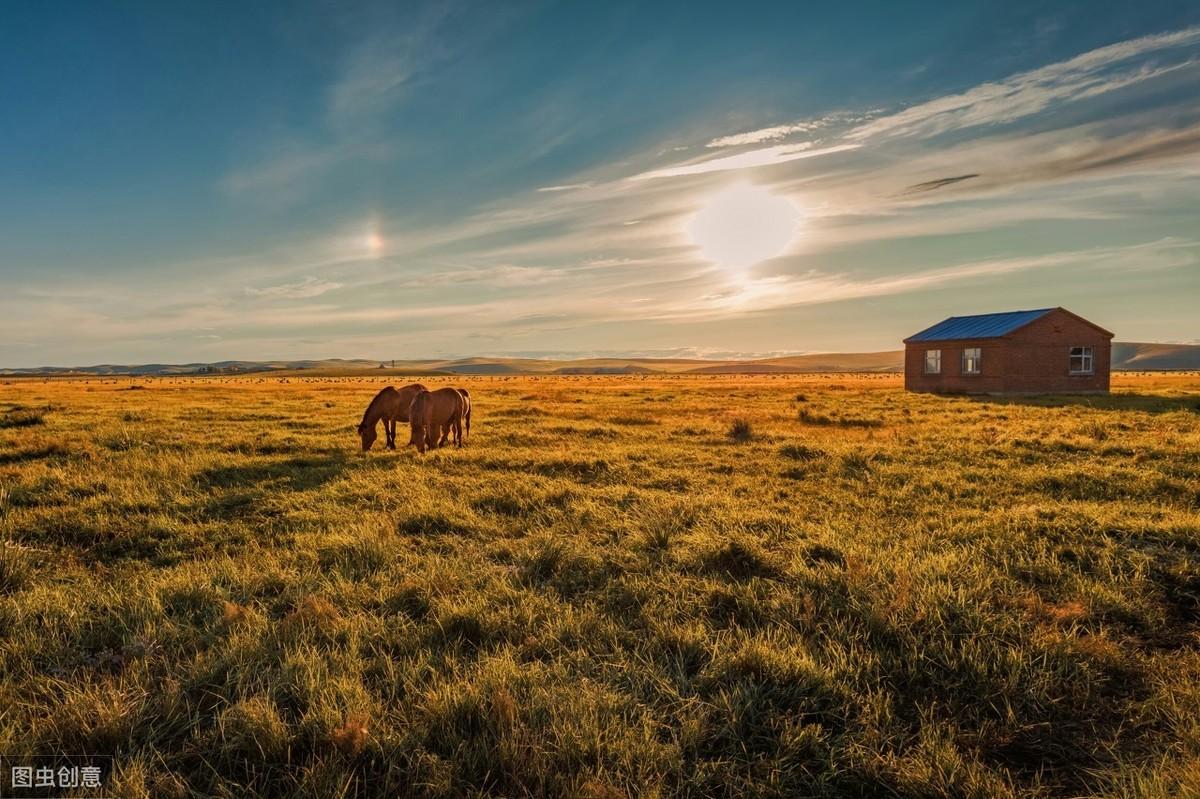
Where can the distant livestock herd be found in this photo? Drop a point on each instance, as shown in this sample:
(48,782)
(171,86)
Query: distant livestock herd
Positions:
(433,416)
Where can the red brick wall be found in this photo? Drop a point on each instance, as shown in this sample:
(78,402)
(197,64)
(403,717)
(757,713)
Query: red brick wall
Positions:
(1039,355)
(1034,359)
(993,367)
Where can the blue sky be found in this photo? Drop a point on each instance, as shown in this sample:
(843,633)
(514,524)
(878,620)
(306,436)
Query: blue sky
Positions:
(196,182)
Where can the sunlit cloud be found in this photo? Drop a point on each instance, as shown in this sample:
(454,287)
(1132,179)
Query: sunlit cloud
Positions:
(775,132)
(565,187)
(762,134)
(766,156)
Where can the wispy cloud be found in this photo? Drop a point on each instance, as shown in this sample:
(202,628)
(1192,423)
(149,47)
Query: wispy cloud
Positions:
(776,132)
(1087,75)
(566,187)
(763,134)
(765,156)
(370,84)
(938,183)
(304,289)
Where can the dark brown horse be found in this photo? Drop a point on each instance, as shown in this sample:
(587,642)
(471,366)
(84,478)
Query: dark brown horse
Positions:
(391,406)
(432,413)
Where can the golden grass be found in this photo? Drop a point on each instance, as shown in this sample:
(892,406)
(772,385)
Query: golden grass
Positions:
(623,586)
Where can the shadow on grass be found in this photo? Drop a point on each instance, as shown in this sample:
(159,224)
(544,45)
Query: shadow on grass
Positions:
(301,473)
(249,492)
(26,455)
(1146,403)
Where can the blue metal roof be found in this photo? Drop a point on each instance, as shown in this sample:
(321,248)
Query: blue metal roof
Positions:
(988,325)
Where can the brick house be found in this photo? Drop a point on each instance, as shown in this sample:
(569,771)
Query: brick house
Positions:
(1047,351)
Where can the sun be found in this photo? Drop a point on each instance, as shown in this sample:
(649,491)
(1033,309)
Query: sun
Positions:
(743,224)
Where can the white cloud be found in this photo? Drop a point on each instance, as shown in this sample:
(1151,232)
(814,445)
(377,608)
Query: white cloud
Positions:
(765,156)
(566,187)
(305,289)
(1086,75)
(775,132)
(763,134)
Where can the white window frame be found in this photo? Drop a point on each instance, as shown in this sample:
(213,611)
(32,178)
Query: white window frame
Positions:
(976,360)
(937,360)
(1087,360)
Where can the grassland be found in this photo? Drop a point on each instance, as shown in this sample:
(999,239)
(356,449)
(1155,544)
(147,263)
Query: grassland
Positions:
(623,586)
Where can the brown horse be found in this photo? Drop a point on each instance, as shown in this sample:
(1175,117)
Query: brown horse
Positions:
(431,413)
(457,429)
(391,406)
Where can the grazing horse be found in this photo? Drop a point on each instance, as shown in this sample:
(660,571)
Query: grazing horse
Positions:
(391,406)
(431,413)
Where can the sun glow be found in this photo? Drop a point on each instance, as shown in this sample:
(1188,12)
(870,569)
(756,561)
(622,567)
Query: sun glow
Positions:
(742,225)
(374,244)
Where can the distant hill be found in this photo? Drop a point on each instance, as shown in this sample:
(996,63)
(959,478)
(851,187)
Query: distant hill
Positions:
(1129,356)
(892,361)
(1133,356)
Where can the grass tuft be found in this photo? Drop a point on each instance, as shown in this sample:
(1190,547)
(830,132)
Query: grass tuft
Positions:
(801,452)
(740,431)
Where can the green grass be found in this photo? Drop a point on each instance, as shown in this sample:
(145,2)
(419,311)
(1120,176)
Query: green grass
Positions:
(620,587)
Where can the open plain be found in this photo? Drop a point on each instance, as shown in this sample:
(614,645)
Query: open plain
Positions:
(725,585)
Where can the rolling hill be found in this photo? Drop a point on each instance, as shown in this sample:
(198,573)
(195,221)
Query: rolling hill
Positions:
(1129,356)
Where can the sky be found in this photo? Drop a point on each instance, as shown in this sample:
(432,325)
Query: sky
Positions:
(201,182)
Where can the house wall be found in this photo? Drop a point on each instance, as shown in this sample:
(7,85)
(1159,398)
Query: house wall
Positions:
(1039,356)
(993,367)
(1034,359)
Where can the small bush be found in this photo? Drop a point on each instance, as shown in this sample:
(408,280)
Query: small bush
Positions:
(22,419)
(426,524)
(253,728)
(410,600)
(821,420)
(739,559)
(856,466)
(800,452)
(808,417)
(741,431)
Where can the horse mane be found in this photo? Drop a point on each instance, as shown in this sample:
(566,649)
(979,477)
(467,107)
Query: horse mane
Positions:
(374,406)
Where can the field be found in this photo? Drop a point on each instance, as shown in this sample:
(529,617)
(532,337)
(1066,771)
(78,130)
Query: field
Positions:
(623,586)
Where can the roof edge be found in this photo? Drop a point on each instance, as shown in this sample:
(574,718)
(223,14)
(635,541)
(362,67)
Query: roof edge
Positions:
(1044,312)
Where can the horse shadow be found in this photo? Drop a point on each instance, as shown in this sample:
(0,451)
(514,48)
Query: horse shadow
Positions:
(299,473)
(252,492)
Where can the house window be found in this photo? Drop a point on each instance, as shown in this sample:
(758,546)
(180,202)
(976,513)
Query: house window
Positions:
(971,359)
(933,362)
(1081,361)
